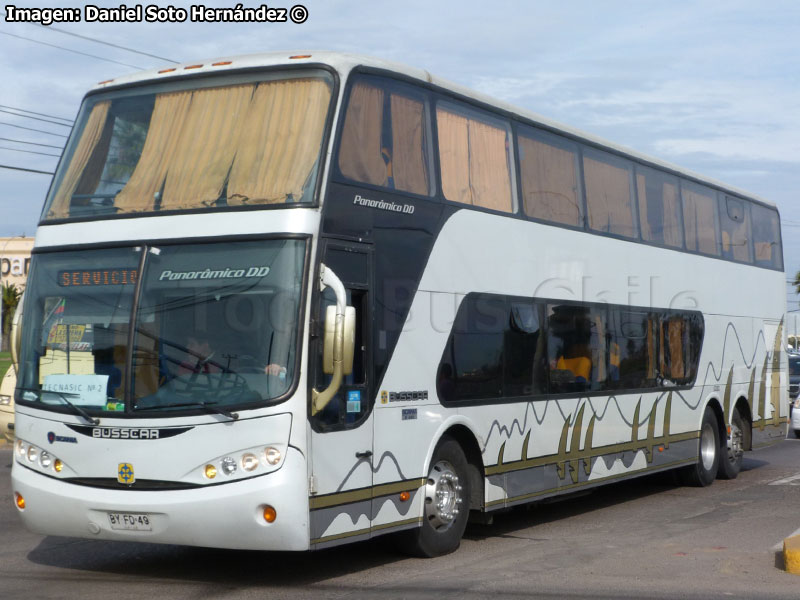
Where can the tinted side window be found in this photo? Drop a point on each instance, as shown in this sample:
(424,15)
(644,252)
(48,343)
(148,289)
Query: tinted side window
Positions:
(549,174)
(632,350)
(576,347)
(474,153)
(525,364)
(609,206)
(700,218)
(385,137)
(659,207)
(767,237)
(734,216)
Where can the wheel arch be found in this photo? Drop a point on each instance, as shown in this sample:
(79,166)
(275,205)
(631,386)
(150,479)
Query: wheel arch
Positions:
(743,406)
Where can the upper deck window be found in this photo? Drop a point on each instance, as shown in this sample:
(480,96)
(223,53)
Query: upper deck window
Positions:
(475,158)
(659,207)
(700,218)
(735,228)
(608,193)
(767,237)
(385,139)
(179,148)
(549,174)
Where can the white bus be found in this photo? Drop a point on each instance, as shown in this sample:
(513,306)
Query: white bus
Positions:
(287,302)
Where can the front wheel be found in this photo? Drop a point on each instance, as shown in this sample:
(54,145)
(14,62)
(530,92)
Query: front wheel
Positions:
(731,456)
(703,472)
(797,433)
(446,504)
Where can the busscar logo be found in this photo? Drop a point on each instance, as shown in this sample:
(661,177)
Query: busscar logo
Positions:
(407,396)
(52,437)
(125,433)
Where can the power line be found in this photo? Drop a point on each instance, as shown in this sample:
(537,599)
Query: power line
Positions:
(70,50)
(36,113)
(28,151)
(30,128)
(85,37)
(31,143)
(8,112)
(26,170)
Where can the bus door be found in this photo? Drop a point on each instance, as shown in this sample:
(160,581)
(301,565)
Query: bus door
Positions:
(341,434)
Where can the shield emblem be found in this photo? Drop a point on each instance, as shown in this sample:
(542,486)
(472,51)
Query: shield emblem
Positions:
(125,473)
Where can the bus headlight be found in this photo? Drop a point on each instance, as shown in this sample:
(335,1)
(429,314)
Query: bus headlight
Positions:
(45,459)
(249,461)
(228,465)
(5,400)
(20,445)
(32,453)
(272,455)
(797,402)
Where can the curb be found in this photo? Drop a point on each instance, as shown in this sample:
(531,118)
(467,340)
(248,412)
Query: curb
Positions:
(791,554)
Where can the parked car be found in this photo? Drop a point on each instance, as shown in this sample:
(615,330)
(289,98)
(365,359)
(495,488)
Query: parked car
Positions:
(7,386)
(794,393)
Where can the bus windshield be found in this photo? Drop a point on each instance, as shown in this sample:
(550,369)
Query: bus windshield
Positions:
(208,325)
(194,145)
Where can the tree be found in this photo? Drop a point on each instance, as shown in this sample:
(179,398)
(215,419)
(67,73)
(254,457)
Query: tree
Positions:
(10,297)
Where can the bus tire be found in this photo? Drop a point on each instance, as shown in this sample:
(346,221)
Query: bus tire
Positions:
(446,504)
(704,471)
(797,433)
(730,460)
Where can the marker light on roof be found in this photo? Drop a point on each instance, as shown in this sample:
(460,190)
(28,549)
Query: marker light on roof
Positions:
(192,67)
(300,56)
(167,70)
(220,64)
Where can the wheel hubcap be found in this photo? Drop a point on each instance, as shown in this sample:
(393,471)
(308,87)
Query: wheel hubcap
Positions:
(736,444)
(707,447)
(442,496)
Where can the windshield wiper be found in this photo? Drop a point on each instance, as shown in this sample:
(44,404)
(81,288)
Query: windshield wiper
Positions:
(208,406)
(63,396)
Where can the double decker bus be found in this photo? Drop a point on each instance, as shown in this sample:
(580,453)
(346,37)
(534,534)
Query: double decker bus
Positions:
(288,302)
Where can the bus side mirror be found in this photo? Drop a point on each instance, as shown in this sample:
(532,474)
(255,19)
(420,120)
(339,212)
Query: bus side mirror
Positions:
(338,340)
(16,334)
(330,338)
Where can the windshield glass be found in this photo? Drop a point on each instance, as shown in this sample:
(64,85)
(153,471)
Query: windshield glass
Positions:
(176,147)
(216,325)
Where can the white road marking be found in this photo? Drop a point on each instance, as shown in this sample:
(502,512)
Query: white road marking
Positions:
(792,480)
(779,546)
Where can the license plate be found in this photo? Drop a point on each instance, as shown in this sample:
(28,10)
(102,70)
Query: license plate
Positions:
(130,521)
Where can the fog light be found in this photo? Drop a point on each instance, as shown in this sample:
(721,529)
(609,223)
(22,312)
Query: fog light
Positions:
(272,455)
(45,459)
(20,501)
(249,461)
(228,465)
(210,471)
(58,465)
(269,514)
(32,453)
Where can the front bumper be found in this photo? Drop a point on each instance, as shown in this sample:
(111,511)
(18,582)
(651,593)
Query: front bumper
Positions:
(6,424)
(219,516)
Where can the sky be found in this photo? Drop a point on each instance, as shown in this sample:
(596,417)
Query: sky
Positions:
(711,86)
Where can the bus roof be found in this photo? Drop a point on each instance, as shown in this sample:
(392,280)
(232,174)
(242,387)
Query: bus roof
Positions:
(344,62)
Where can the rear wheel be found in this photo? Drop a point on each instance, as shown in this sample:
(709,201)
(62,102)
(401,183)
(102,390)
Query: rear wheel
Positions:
(446,504)
(731,454)
(703,472)
(797,433)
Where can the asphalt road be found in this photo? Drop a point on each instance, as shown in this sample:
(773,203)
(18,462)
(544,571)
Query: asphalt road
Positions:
(648,538)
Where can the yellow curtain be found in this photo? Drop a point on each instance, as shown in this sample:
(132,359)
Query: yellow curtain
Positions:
(281,141)
(608,198)
(651,349)
(548,182)
(490,178)
(92,134)
(672,222)
(699,221)
(197,169)
(360,156)
(409,167)
(454,155)
(163,137)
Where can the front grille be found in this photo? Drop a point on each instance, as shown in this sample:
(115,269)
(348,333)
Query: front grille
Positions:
(140,485)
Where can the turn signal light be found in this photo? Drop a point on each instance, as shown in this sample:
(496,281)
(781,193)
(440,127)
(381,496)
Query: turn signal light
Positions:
(20,501)
(404,496)
(269,514)
(210,471)
(58,465)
